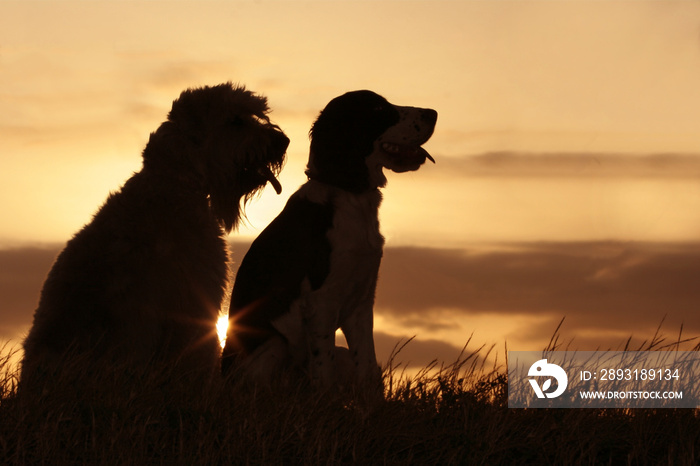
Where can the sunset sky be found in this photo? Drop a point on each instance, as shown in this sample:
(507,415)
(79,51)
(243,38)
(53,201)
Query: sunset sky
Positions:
(567,181)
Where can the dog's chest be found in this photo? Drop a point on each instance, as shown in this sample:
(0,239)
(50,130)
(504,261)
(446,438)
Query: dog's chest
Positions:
(356,252)
(355,232)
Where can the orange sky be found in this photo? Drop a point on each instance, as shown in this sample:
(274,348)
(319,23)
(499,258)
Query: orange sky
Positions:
(516,84)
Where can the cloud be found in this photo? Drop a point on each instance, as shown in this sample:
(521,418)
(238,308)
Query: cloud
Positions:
(22,272)
(615,287)
(571,165)
(606,291)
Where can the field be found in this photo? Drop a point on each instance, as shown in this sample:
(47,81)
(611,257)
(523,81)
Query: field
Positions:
(452,414)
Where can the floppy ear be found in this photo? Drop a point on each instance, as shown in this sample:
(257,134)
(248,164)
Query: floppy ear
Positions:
(337,155)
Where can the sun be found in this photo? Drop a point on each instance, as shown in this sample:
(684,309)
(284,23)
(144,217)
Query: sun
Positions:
(221,327)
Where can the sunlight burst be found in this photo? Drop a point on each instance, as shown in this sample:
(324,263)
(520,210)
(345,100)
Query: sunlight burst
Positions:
(221,327)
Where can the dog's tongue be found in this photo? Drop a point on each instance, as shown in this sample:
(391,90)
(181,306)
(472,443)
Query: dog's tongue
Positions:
(269,176)
(407,153)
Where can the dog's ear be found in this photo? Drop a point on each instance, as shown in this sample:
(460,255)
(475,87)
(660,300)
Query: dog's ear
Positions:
(343,136)
(337,156)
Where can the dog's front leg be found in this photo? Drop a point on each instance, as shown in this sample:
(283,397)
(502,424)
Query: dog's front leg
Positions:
(357,329)
(321,326)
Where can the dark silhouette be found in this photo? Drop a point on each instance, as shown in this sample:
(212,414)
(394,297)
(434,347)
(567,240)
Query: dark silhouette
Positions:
(141,285)
(314,268)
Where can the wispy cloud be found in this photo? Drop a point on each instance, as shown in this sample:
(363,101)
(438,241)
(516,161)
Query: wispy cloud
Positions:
(572,165)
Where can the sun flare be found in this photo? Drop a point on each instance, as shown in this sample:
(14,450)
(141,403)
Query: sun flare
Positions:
(221,327)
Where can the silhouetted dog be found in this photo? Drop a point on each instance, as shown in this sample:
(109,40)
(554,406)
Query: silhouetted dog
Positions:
(143,282)
(314,268)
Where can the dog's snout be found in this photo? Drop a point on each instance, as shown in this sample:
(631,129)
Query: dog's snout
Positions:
(429,116)
(281,141)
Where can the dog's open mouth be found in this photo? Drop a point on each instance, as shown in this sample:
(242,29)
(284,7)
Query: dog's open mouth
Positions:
(266,173)
(406,156)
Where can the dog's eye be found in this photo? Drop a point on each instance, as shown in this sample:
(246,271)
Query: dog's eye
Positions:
(247,120)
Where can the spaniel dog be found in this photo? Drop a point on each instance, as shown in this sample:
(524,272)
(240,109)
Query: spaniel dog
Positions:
(314,268)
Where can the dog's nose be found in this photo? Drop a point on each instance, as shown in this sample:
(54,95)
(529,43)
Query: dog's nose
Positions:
(281,141)
(429,116)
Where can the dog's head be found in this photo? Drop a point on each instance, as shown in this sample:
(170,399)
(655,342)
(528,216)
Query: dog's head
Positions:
(359,133)
(219,140)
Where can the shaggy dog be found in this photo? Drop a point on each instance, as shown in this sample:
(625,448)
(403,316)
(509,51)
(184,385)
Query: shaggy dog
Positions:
(314,268)
(143,282)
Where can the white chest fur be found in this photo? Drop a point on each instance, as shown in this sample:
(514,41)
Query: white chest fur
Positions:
(356,252)
(355,217)
(356,223)
(356,248)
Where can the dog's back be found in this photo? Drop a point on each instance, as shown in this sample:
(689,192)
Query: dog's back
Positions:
(111,288)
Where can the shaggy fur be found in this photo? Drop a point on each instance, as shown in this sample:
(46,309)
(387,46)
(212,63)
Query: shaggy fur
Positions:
(314,268)
(143,282)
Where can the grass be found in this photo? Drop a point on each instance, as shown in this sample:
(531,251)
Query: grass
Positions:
(449,414)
